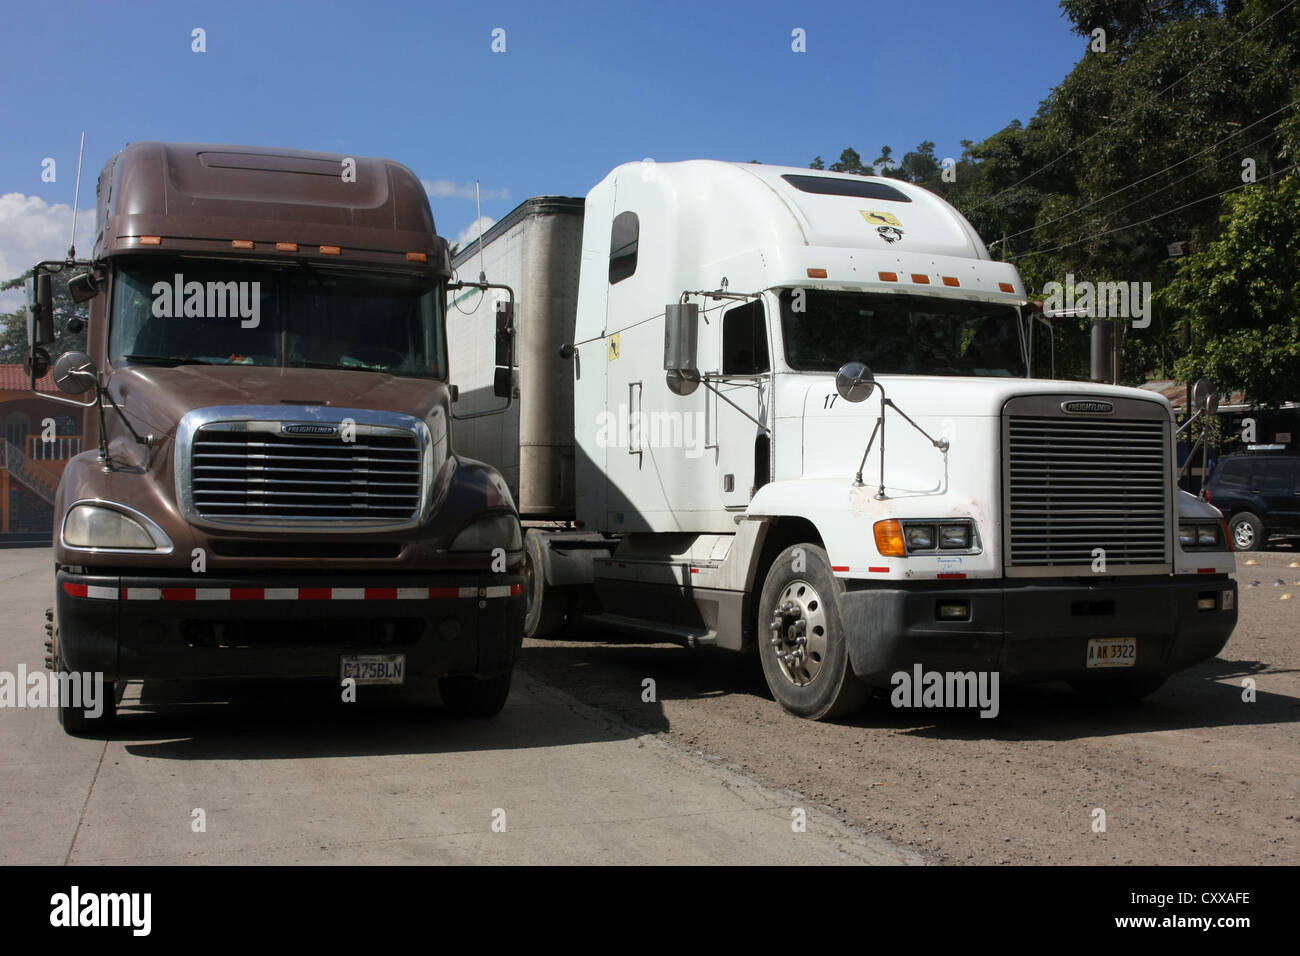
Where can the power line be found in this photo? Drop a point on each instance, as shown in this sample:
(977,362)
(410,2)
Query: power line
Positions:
(1133,110)
(1137,182)
(1158,215)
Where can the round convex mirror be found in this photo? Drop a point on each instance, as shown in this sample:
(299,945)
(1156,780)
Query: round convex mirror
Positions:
(683,381)
(854,382)
(75,373)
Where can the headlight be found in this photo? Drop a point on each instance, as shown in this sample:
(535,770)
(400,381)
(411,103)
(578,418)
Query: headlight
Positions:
(897,538)
(920,537)
(498,531)
(94,526)
(1202,536)
(956,536)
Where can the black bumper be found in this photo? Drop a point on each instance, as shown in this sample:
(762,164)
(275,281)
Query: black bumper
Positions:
(1037,632)
(133,627)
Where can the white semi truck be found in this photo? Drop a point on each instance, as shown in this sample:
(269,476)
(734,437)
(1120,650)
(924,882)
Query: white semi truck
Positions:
(784,410)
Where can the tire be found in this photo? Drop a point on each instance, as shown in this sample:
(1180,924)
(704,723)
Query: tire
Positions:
(474,697)
(1247,532)
(1116,690)
(76,721)
(811,678)
(547,606)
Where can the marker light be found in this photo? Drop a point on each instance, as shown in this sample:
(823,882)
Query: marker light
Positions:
(920,279)
(330,251)
(286,247)
(889,538)
(816,273)
(951,280)
(242,243)
(888,276)
(417,257)
(1006,287)
(150,240)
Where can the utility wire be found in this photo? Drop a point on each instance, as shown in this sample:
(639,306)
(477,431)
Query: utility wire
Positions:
(1137,182)
(1133,110)
(1158,215)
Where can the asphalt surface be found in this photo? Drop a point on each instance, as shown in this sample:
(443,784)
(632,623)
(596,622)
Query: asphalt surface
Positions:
(287,773)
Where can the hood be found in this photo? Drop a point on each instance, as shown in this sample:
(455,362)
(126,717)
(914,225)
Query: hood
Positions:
(967,397)
(156,398)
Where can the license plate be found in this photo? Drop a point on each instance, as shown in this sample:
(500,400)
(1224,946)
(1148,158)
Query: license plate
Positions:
(373,668)
(1112,652)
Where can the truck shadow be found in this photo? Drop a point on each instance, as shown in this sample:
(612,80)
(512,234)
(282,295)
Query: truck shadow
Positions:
(609,673)
(271,720)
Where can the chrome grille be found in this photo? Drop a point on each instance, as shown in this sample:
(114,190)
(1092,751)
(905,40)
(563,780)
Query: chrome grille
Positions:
(251,470)
(1074,484)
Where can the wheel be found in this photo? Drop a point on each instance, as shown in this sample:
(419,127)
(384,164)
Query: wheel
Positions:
(77,721)
(1119,689)
(475,697)
(1247,531)
(802,643)
(547,606)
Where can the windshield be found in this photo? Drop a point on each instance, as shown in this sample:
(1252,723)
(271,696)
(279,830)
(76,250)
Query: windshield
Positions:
(210,312)
(899,334)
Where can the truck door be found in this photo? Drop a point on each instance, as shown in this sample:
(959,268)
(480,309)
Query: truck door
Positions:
(742,450)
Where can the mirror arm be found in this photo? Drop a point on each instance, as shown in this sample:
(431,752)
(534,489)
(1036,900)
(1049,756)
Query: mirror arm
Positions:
(704,380)
(885,402)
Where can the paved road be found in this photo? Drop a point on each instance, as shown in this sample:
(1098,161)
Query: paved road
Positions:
(284,774)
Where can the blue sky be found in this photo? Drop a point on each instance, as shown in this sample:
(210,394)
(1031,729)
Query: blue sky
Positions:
(580,88)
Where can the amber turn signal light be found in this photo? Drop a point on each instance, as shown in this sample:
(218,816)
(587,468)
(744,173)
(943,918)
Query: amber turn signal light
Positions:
(889,538)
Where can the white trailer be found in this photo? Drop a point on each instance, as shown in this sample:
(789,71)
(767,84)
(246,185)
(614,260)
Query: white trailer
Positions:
(803,421)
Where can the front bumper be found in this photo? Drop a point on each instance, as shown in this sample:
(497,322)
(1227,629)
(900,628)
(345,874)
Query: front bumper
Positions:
(139,627)
(1031,631)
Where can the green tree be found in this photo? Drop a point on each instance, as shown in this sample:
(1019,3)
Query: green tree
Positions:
(13,325)
(850,162)
(1241,297)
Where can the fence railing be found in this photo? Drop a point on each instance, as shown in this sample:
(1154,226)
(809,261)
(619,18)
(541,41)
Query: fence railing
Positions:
(58,448)
(38,480)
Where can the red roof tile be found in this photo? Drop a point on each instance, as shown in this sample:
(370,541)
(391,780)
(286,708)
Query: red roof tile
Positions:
(13,378)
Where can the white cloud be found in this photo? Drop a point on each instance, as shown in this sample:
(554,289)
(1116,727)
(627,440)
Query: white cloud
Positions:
(470,233)
(442,188)
(31,230)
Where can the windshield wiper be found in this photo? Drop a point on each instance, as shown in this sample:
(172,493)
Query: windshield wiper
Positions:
(299,363)
(167,360)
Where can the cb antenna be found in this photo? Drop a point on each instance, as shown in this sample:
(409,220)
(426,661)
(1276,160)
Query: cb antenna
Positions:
(76,198)
(478,219)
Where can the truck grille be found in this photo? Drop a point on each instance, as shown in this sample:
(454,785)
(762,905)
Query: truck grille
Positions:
(1077,484)
(241,471)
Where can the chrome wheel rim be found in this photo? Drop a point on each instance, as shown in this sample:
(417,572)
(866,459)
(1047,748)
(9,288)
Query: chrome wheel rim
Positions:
(798,635)
(1243,535)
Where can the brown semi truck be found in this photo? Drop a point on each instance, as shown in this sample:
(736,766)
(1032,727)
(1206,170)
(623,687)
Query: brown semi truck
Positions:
(272,489)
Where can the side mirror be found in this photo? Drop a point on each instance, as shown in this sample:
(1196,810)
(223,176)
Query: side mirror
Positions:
(503,382)
(505,333)
(40,311)
(84,287)
(681,336)
(1205,397)
(854,382)
(75,373)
